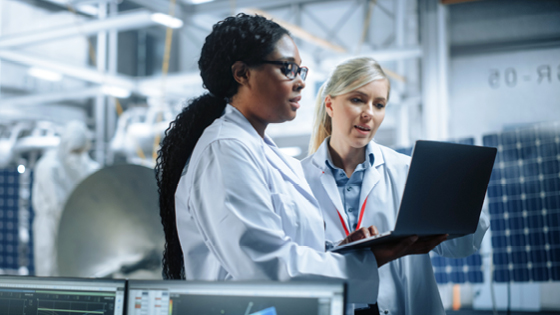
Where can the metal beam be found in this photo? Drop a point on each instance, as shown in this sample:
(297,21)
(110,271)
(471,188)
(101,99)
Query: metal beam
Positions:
(435,67)
(53,97)
(301,33)
(82,73)
(224,7)
(154,5)
(122,22)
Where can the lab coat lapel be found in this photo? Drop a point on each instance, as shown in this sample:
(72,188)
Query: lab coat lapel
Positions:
(329,184)
(371,175)
(327,180)
(289,169)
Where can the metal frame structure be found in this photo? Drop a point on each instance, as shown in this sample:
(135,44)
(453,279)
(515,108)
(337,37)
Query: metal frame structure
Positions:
(320,33)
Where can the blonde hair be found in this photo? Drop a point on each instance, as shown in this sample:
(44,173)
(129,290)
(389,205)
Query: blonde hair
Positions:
(348,76)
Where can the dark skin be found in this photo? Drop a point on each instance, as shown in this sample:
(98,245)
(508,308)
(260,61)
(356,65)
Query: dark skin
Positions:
(387,252)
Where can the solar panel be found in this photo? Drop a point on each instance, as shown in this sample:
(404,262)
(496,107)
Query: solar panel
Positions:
(454,270)
(9,203)
(524,201)
(15,206)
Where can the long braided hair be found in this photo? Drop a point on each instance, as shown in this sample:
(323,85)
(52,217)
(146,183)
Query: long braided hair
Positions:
(245,38)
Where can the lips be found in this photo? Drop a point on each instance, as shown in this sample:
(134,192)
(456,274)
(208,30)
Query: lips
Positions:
(294,102)
(295,99)
(362,127)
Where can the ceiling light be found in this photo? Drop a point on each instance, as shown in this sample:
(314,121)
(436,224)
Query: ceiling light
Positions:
(44,74)
(115,91)
(167,20)
(200,1)
(88,9)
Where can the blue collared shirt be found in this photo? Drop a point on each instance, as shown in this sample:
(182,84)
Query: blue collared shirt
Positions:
(350,188)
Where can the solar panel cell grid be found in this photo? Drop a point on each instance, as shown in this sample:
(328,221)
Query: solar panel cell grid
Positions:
(8,219)
(524,204)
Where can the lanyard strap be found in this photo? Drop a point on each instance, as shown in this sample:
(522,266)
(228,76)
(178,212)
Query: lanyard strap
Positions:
(359,219)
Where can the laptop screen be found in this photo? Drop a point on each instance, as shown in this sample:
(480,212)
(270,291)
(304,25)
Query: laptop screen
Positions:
(240,298)
(46,295)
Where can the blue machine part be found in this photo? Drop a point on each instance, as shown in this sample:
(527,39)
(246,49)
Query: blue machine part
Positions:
(266,311)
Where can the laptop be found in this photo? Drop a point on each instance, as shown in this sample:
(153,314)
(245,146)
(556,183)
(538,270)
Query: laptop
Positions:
(51,295)
(233,297)
(444,193)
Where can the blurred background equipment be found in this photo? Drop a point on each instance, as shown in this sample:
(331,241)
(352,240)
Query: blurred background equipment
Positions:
(56,175)
(26,137)
(110,226)
(138,132)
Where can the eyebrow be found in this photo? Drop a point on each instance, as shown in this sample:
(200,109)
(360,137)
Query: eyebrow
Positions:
(289,59)
(365,95)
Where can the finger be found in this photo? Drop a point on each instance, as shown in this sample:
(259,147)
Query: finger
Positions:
(373,230)
(402,247)
(364,232)
(425,245)
(358,234)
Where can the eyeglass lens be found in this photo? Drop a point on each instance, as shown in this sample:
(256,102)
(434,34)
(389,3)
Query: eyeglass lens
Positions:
(293,69)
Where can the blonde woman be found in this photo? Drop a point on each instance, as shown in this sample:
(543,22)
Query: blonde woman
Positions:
(359,183)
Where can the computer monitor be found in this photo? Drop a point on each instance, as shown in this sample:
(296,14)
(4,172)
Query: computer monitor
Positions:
(232,297)
(49,295)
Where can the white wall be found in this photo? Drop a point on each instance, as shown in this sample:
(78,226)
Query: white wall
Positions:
(494,91)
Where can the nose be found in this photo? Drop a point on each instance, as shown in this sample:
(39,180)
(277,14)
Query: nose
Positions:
(367,112)
(299,84)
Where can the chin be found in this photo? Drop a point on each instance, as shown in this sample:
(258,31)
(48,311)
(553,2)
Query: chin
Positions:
(290,116)
(361,143)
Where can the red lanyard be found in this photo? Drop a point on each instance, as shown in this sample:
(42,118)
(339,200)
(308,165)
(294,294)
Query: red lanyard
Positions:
(359,220)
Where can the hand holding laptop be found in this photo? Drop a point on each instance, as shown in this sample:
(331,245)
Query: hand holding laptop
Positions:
(444,193)
(390,251)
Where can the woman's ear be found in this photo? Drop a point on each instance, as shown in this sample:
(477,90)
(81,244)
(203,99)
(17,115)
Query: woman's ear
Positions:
(240,72)
(328,105)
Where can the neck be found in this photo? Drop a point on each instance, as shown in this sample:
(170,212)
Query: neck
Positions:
(256,122)
(345,156)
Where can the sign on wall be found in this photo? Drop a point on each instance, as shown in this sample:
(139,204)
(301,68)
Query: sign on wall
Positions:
(496,91)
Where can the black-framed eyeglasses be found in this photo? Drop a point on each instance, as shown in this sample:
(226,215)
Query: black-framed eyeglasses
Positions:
(289,69)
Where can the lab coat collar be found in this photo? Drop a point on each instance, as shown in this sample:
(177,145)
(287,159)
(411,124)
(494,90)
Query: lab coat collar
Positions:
(322,155)
(371,176)
(289,168)
(234,115)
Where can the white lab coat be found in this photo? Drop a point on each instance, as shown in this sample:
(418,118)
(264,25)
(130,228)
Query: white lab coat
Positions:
(245,212)
(407,285)
(56,175)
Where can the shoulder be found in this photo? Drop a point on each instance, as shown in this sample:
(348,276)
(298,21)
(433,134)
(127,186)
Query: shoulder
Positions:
(310,167)
(225,142)
(315,163)
(307,162)
(392,157)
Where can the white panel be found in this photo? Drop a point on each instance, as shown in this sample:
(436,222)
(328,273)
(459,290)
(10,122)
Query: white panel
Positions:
(500,90)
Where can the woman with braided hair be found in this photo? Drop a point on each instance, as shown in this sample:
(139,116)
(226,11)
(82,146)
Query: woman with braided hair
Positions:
(232,205)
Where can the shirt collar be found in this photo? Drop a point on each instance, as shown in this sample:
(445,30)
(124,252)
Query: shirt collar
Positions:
(370,157)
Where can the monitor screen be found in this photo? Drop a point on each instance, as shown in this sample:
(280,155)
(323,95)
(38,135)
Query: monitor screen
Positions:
(235,298)
(46,295)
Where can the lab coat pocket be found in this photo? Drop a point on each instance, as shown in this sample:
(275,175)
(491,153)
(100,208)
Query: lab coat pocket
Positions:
(285,207)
